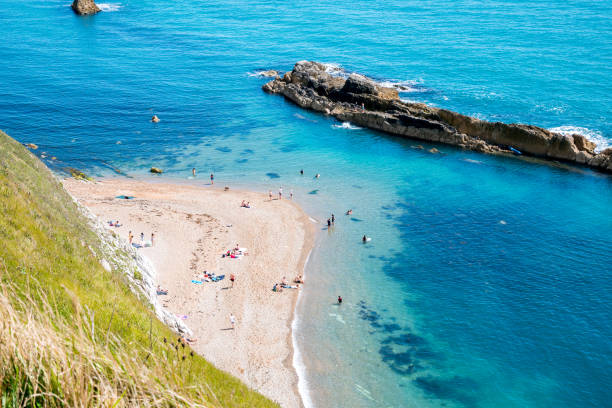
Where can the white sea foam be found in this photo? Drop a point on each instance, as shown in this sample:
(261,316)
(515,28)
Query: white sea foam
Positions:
(298,360)
(409,86)
(346,125)
(336,70)
(402,86)
(593,135)
(109,6)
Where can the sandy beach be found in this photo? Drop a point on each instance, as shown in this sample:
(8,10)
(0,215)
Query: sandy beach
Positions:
(193,227)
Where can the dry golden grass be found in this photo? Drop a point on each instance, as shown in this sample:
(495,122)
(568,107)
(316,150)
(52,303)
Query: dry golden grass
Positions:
(48,362)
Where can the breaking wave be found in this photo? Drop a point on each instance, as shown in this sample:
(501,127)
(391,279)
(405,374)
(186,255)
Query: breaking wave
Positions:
(346,125)
(109,6)
(593,135)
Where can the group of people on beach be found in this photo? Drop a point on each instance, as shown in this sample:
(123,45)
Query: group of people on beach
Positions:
(245,204)
(142,240)
(278,287)
(280,194)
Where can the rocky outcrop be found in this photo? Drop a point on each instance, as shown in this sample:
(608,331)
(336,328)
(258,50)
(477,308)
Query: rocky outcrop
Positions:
(84,7)
(359,100)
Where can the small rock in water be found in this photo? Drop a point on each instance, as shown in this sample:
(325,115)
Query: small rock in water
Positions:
(84,7)
(156,170)
(269,73)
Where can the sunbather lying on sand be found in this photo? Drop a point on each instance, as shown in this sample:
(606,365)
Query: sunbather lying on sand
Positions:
(187,340)
(298,279)
(161,291)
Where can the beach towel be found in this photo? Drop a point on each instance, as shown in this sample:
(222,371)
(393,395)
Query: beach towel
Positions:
(196,281)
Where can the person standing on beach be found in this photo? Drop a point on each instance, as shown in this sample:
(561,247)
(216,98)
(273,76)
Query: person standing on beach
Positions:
(232,320)
(270,194)
(232,279)
(280,192)
(130,237)
(152,239)
(142,237)
(212,178)
(291,194)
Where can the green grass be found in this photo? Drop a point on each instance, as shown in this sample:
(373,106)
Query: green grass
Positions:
(51,275)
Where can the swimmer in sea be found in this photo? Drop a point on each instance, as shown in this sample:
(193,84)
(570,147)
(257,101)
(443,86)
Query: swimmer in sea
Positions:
(364,239)
(212,178)
(302,172)
(339,300)
(349,212)
(317,175)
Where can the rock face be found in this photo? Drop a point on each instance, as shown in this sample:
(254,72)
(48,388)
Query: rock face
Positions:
(84,7)
(361,101)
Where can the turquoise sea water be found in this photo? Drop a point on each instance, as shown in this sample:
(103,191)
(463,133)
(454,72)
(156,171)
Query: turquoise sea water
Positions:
(487,280)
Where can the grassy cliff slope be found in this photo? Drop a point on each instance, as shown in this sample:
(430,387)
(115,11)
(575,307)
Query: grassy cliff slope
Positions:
(71,332)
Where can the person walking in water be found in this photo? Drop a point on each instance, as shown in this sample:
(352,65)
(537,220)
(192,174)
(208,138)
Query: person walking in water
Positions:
(339,300)
(232,320)
(364,239)
(193,172)
(328,223)
(212,178)
(270,194)
(333,219)
(280,192)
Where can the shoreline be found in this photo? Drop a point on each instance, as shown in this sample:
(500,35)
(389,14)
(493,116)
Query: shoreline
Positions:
(252,351)
(297,360)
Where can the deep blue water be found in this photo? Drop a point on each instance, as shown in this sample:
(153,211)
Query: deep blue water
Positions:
(487,280)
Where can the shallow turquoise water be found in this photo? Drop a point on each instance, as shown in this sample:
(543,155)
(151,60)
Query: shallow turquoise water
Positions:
(486,283)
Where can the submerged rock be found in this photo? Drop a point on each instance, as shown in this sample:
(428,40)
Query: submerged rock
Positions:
(269,73)
(32,146)
(84,7)
(156,170)
(363,102)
